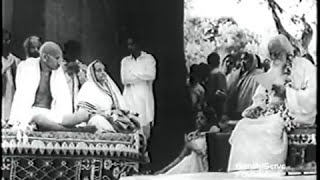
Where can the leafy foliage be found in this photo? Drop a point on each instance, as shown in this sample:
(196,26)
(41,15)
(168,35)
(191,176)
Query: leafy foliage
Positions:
(223,35)
(297,10)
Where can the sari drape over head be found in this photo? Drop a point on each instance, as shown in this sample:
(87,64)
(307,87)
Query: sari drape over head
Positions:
(95,96)
(106,104)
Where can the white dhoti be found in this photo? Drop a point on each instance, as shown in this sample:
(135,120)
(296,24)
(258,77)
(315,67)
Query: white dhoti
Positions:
(27,83)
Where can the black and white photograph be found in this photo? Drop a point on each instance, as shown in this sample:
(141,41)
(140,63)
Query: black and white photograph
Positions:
(159,89)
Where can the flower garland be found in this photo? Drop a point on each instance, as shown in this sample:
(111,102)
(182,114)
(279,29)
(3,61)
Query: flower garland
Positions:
(287,70)
(289,120)
(290,123)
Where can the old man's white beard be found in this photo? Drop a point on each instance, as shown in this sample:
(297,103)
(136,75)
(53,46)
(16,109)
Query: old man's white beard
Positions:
(276,72)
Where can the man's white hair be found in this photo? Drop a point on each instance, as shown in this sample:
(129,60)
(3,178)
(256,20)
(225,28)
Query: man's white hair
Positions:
(280,44)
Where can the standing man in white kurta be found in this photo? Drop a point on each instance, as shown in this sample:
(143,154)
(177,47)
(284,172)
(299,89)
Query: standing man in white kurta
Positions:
(138,71)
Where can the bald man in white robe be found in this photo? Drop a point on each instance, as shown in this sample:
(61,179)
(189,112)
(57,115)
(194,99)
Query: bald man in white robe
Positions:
(42,94)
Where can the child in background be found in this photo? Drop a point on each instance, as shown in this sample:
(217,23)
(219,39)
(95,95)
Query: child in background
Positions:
(193,157)
(196,89)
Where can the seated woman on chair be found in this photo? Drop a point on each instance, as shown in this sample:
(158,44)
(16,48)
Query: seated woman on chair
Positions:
(100,104)
(193,157)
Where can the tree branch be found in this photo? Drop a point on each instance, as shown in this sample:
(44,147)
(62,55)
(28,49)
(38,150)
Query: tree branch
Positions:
(281,30)
(306,34)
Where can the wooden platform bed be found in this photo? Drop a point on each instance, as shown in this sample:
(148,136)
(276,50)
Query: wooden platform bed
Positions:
(72,156)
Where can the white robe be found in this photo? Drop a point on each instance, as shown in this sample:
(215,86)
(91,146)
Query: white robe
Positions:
(137,77)
(260,141)
(194,162)
(27,83)
(263,140)
(302,98)
(7,97)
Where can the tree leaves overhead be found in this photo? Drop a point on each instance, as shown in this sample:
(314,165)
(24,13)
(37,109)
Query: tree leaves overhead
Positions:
(204,35)
(306,32)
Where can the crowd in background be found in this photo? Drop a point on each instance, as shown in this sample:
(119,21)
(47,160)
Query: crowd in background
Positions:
(226,86)
(257,102)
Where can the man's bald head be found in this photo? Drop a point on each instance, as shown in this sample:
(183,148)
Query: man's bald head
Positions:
(51,48)
(51,54)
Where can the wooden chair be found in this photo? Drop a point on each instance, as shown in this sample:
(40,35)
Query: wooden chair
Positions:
(218,148)
(302,150)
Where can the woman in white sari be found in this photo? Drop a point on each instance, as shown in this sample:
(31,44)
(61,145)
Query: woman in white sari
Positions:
(286,91)
(193,157)
(101,104)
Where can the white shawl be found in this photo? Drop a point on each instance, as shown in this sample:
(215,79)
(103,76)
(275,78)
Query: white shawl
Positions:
(94,96)
(27,83)
(302,98)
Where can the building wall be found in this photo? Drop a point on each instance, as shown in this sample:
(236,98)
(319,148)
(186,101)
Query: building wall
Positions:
(7,10)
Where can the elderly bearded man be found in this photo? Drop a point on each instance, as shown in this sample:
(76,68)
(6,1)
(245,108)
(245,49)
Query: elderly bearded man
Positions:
(31,46)
(261,137)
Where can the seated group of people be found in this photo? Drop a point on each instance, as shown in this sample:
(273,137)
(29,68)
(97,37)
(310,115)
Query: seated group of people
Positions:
(265,104)
(51,90)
